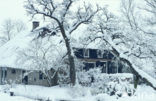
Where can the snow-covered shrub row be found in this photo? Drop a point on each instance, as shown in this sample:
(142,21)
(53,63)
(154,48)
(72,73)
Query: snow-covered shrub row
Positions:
(112,84)
(85,78)
(120,89)
(4,88)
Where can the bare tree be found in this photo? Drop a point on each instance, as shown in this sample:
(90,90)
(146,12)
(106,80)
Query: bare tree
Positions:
(134,13)
(66,18)
(20,26)
(151,6)
(128,10)
(7,29)
(10,28)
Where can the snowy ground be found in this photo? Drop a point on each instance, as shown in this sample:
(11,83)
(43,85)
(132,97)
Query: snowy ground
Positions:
(7,97)
(31,93)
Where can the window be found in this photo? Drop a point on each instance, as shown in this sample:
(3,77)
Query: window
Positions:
(120,67)
(89,65)
(23,71)
(4,73)
(40,75)
(104,67)
(3,76)
(99,54)
(112,68)
(86,52)
(78,53)
(13,71)
(34,79)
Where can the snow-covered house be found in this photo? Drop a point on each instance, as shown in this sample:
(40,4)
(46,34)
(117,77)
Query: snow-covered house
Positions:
(14,71)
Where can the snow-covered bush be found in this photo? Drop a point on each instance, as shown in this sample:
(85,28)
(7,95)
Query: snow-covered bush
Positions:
(85,78)
(79,91)
(63,80)
(5,88)
(119,89)
(112,84)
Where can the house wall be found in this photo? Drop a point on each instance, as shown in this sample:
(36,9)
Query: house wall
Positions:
(14,77)
(18,76)
(11,77)
(107,61)
(0,75)
(33,79)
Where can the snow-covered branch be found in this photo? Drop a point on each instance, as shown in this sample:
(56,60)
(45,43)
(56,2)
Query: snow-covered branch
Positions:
(84,17)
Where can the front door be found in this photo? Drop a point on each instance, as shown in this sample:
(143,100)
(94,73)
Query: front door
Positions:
(25,78)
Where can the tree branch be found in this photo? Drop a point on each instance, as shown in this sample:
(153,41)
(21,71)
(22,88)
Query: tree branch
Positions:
(84,19)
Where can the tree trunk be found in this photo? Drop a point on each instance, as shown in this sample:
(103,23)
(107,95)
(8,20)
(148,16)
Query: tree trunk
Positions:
(70,57)
(72,70)
(138,75)
(136,81)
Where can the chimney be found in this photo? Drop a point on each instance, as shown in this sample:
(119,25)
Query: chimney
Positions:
(35,24)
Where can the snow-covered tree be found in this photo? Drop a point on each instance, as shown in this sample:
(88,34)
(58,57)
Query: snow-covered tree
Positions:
(68,16)
(43,55)
(131,43)
(143,17)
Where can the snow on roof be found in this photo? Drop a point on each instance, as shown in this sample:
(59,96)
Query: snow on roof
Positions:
(10,50)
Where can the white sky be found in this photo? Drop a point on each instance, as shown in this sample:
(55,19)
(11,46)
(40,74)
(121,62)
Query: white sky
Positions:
(14,9)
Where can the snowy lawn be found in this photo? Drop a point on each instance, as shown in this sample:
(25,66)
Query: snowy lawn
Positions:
(7,97)
(39,92)
(143,93)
